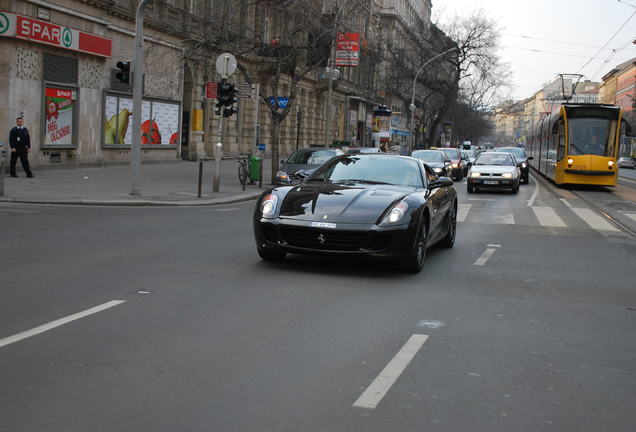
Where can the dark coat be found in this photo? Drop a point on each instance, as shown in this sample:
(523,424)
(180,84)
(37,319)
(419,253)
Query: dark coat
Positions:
(19,139)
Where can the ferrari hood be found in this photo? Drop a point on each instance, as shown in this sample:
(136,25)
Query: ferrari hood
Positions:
(334,203)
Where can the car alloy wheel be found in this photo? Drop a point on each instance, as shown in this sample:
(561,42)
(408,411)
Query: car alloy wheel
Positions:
(449,240)
(415,259)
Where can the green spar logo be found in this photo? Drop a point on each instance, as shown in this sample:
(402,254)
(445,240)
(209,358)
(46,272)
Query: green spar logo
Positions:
(67,37)
(4,23)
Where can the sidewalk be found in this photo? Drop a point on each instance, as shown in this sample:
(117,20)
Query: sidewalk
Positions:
(162,184)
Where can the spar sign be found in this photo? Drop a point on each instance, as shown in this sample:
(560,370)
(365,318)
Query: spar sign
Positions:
(347,49)
(43,32)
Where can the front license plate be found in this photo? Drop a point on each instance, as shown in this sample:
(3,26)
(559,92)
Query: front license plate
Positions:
(323,225)
(491,182)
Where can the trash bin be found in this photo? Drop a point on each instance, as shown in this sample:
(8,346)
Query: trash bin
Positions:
(254,168)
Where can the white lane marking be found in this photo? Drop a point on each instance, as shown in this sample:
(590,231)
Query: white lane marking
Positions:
(506,219)
(593,220)
(483,259)
(548,217)
(432,324)
(630,215)
(58,322)
(493,245)
(462,212)
(372,396)
(567,204)
(534,194)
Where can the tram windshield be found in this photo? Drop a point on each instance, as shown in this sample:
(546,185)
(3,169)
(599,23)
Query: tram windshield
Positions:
(592,136)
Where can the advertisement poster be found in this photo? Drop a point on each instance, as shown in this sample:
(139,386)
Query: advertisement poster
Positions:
(59,116)
(159,122)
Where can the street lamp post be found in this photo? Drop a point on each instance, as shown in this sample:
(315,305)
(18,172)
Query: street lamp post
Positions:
(412,107)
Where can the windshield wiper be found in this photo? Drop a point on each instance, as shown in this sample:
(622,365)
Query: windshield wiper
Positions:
(320,179)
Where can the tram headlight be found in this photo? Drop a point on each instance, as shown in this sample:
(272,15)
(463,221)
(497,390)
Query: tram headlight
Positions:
(570,161)
(610,163)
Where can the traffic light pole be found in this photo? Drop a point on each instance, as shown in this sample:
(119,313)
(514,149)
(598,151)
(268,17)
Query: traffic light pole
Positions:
(138,74)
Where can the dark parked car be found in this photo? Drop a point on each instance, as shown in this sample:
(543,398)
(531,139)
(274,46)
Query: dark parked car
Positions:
(466,163)
(435,159)
(522,161)
(388,206)
(302,162)
(457,165)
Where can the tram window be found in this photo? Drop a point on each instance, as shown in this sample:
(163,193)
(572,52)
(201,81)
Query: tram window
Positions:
(561,147)
(592,136)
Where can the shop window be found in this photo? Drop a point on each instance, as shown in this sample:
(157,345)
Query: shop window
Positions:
(60,69)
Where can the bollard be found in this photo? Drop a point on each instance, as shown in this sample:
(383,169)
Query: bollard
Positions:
(260,176)
(200,177)
(218,154)
(3,161)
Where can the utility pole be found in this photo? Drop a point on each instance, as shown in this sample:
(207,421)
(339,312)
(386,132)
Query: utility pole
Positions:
(138,75)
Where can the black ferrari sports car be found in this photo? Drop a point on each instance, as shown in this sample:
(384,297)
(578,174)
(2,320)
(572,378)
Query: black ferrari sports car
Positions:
(367,204)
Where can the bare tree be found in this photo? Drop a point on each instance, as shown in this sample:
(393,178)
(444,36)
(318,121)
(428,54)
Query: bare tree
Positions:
(478,77)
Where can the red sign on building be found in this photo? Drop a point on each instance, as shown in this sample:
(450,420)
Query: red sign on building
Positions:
(347,49)
(43,32)
(211,89)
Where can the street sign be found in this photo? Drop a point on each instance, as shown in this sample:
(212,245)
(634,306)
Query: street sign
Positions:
(226,64)
(261,147)
(211,89)
(347,49)
(281,102)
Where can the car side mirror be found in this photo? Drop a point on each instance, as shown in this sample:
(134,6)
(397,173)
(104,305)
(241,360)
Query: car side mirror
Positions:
(283,161)
(440,182)
(530,158)
(301,174)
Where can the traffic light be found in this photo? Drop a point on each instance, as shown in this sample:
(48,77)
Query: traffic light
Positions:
(124,71)
(228,96)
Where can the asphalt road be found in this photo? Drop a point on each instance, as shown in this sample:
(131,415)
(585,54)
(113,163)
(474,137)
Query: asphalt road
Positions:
(526,325)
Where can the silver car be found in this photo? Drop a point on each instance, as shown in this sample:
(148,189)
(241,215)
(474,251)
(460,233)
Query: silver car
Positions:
(627,162)
(494,170)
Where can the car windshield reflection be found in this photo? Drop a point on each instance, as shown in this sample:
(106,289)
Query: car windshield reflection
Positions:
(371,170)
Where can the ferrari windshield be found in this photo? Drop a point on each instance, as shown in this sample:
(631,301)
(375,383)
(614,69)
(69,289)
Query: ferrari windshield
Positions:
(371,169)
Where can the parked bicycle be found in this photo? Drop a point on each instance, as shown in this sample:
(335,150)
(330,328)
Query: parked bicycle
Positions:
(243,171)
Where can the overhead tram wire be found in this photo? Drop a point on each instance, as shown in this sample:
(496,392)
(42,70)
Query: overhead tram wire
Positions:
(609,57)
(551,40)
(607,43)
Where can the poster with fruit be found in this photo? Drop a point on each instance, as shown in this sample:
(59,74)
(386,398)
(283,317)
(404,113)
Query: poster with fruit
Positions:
(59,104)
(159,122)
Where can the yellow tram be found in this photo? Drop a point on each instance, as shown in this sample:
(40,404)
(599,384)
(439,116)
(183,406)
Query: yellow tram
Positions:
(578,144)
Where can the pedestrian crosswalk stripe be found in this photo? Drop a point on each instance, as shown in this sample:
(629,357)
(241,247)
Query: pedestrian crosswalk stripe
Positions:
(548,217)
(593,220)
(505,219)
(630,215)
(462,212)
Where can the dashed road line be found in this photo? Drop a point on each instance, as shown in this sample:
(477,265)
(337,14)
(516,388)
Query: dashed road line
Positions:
(372,396)
(59,322)
(483,259)
(534,194)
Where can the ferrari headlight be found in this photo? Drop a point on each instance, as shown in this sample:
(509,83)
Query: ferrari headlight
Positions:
(397,212)
(507,175)
(268,206)
(474,174)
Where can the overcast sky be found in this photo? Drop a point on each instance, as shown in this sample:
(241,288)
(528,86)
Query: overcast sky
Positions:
(568,33)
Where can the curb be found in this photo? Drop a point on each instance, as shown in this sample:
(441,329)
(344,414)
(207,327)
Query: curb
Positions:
(139,202)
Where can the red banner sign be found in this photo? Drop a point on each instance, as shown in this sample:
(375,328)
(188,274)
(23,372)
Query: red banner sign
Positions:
(211,89)
(27,28)
(347,49)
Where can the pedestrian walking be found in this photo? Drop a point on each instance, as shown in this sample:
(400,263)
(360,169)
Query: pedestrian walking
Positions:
(20,144)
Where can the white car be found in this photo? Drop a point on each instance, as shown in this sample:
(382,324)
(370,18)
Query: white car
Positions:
(494,170)
(627,162)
